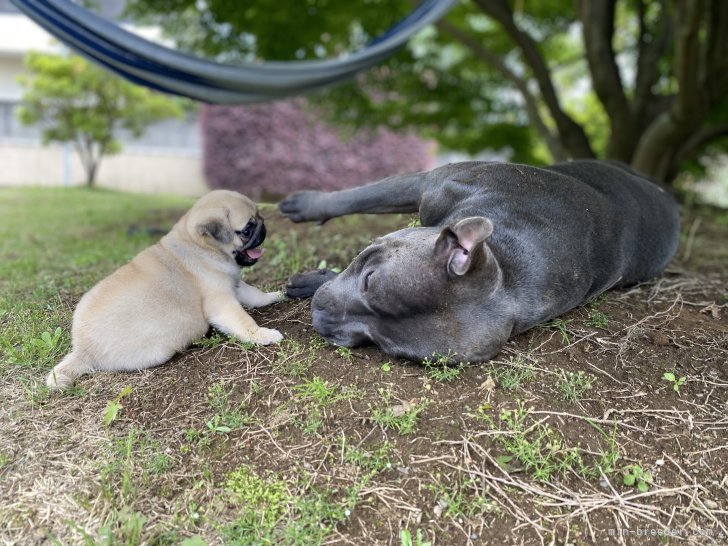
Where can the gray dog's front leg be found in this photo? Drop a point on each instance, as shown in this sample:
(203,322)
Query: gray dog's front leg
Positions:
(401,193)
(304,285)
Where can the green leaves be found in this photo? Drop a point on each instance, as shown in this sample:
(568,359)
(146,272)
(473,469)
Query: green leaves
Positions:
(405,538)
(81,103)
(111,411)
(25,345)
(503,76)
(47,342)
(196,540)
(233,30)
(113,407)
(635,476)
(676,381)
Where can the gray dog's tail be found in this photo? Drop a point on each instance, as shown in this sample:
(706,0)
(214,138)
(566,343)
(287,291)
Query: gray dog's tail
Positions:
(65,373)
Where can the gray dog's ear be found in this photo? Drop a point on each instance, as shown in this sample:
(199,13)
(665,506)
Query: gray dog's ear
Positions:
(462,243)
(217,229)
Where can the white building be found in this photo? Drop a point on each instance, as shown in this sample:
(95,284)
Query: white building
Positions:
(167,158)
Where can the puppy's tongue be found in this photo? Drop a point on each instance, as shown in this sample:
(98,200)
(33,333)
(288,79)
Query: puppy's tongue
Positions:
(255,253)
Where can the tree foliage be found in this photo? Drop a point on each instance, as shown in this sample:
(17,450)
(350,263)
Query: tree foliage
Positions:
(284,146)
(640,81)
(77,102)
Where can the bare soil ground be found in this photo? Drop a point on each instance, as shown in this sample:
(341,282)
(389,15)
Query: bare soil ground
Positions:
(530,448)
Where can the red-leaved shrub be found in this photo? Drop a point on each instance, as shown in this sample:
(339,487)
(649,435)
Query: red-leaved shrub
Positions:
(273,149)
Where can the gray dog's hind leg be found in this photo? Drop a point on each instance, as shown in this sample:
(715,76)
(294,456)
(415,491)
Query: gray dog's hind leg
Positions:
(401,193)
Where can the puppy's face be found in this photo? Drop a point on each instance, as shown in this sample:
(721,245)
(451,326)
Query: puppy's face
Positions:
(251,237)
(229,222)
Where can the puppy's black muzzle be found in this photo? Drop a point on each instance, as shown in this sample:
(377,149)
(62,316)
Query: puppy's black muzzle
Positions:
(249,253)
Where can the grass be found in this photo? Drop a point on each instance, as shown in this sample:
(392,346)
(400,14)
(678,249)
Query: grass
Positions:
(406,538)
(373,460)
(67,238)
(26,345)
(399,417)
(228,415)
(316,395)
(539,450)
(4,461)
(574,385)
(131,461)
(561,326)
(274,511)
(442,368)
(293,358)
(263,500)
(288,254)
(122,527)
(218,339)
(317,391)
(462,499)
(515,374)
(291,254)
(346,353)
(597,319)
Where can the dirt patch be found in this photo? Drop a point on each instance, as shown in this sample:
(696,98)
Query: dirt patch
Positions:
(530,448)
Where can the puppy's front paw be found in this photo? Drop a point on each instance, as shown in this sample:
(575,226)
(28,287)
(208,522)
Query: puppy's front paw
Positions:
(267,336)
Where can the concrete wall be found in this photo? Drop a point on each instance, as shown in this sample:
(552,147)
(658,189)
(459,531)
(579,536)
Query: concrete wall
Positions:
(10,69)
(27,164)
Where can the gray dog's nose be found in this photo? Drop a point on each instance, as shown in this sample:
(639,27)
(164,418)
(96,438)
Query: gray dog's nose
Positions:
(322,321)
(334,328)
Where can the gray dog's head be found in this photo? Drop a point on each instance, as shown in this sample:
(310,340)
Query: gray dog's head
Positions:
(410,292)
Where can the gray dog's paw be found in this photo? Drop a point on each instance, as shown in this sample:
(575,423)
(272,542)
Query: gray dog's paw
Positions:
(304,285)
(302,206)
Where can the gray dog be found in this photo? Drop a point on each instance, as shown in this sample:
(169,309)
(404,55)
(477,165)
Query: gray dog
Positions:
(503,248)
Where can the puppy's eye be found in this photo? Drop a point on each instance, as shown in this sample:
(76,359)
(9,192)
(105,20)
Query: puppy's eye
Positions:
(247,231)
(366,280)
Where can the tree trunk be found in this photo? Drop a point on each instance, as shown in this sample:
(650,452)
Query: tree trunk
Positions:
(597,20)
(551,139)
(91,171)
(660,143)
(90,159)
(571,134)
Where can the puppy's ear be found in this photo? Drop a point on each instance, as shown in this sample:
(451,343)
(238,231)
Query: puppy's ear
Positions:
(462,244)
(216,228)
